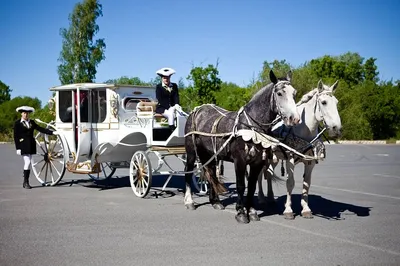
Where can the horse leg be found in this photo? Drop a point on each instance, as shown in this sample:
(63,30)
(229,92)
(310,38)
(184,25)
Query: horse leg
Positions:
(255,171)
(270,176)
(288,212)
(213,196)
(190,162)
(308,168)
(261,196)
(240,169)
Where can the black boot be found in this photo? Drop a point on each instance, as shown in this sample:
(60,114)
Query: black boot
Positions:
(26,179)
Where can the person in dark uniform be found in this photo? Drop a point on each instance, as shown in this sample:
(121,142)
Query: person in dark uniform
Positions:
(167,95)
(25,143)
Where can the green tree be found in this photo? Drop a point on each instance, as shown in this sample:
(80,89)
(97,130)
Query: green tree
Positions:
(370,70)
(232,96)
(188,98)
(44,114)
(80,54)
(8,113)
(5,92)
(124,80)
(205,83)
(280,68)
(381,106)
(155,81)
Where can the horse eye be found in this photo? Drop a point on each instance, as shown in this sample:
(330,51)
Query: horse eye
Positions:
(323,102)
(279,94)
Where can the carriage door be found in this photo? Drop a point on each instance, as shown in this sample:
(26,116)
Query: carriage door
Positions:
(84,124)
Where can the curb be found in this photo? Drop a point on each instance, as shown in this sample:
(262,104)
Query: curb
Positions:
(363,142)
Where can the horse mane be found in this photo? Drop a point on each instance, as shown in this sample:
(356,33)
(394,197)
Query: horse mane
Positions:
(307,97)
(260,92)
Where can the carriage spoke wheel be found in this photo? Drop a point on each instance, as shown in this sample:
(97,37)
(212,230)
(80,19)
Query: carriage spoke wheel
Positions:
(140,174)
(106,171)
(49,162)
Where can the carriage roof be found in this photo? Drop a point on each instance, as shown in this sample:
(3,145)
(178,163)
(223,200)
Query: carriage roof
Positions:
(92,86)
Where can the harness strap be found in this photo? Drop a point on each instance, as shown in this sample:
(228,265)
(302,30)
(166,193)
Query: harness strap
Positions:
(215,124)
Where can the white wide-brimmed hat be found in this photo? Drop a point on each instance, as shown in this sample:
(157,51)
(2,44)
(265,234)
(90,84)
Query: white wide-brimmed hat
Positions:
(165,72)
(27,109)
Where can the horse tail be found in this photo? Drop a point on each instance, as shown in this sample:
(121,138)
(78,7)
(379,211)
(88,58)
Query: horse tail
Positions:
(269,173)
(215,182)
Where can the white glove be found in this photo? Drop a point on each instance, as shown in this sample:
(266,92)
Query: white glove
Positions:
(178,107)
(56,133)
(69,109)
(19,152)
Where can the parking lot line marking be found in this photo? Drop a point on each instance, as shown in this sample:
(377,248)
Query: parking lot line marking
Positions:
(393,176)
(319,234)
(357,192)
(324,235)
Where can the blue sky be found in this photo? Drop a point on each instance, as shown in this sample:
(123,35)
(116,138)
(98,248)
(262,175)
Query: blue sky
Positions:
(145,35)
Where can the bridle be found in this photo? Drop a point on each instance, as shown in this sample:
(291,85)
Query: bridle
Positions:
(273,102)
(318,105)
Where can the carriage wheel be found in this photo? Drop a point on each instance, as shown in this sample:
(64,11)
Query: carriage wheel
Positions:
(200,183)
(106,171)
(140,174)
(49,162)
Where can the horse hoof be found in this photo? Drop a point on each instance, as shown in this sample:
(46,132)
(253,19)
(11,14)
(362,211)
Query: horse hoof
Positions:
(218,206)
(190,206)
(307,215)
(254,217)
(242,218)
(289,216)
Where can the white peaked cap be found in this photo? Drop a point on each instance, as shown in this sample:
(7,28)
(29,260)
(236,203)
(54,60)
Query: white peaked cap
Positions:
(25,109)
(165,72)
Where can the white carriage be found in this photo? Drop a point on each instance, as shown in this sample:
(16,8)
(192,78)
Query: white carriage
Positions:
(103,127)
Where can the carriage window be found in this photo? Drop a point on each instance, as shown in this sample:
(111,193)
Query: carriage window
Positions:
(65,106)
(84,106)
(99,106)
(131,103)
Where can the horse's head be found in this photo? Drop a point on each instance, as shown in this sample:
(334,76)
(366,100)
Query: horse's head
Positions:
(326,109)
(283,95)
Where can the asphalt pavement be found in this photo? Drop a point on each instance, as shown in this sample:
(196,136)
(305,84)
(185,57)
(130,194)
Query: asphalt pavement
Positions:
(354,196)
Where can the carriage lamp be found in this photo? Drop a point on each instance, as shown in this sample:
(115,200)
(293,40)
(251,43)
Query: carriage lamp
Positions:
(51,104)
(114,105)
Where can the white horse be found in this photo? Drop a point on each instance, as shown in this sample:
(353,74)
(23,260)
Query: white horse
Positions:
(318,105)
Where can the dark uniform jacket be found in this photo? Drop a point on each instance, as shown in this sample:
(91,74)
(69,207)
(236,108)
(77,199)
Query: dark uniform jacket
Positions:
(165,98)
(23,136)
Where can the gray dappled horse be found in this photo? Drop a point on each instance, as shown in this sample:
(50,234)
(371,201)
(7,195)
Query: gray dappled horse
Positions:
(318,105)
(203,123)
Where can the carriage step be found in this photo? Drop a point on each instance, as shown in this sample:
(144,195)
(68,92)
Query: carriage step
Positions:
(171,150)
(82,168)
(83,172)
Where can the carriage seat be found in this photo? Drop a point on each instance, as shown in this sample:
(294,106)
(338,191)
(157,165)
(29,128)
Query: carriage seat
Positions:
(147,110)
(146,106)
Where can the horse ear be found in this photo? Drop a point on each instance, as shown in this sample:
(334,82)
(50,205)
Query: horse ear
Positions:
(334,86)
(320,86)
(289,76)
(272,77)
